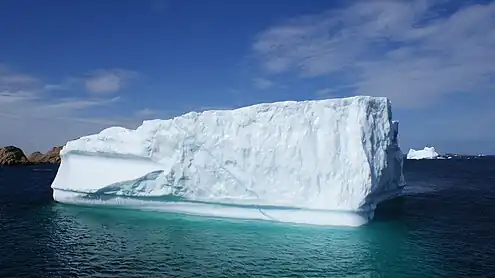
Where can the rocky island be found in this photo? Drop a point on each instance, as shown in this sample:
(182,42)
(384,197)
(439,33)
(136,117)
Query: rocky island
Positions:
(11,155)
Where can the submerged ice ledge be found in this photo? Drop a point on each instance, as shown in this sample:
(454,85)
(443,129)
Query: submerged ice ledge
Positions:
(225,210)
(327,162)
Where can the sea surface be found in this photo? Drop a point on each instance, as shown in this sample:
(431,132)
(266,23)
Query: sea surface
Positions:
(444,227)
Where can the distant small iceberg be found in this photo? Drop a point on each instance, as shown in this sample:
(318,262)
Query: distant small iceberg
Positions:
(426,153)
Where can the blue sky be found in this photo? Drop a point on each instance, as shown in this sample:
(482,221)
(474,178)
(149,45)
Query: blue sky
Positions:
(70,68)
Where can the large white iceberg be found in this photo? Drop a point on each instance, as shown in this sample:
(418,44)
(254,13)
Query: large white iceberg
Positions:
(326,162)
(426,153)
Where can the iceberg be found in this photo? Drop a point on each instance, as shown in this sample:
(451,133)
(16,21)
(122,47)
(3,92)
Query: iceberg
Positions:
(321,162)
(426,153)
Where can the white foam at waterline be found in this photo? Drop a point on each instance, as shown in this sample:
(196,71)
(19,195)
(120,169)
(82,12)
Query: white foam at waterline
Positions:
(296,216)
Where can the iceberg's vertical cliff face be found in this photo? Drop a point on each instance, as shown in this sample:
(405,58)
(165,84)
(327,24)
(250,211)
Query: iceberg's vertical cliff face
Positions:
(286,161)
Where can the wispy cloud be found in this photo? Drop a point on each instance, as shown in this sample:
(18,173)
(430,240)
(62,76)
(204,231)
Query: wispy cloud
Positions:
(325,92)
(108,81)
(262,83)
(148,113)
(66,85)
(26,100)
(78,104)
(11,80)
(8,97)
(35,120)
(405,50)
(102,81)
(17,79)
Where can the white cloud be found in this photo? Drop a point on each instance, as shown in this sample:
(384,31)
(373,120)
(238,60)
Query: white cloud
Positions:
(262,83)
(108,81)
(101,81)
(400,49)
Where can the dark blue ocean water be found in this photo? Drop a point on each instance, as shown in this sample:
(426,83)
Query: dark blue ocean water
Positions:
(444,228)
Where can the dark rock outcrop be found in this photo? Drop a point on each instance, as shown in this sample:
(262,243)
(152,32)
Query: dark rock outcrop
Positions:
(36,156)
(51,157)
(11,155)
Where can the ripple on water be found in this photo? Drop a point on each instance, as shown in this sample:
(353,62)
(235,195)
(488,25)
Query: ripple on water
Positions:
(444,231)
(116,243)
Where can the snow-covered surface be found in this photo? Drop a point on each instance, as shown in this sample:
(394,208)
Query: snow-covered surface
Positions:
(326,162)
(426,153)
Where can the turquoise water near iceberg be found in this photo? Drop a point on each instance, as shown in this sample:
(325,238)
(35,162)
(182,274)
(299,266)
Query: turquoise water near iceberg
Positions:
(443,228)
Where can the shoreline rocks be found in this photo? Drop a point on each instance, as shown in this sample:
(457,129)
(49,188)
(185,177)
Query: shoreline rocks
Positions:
(11,155)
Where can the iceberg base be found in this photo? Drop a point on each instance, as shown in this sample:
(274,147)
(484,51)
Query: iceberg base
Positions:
(277,214)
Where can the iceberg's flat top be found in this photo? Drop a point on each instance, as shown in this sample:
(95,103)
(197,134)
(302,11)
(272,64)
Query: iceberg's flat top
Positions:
(335,154)
(426,153)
